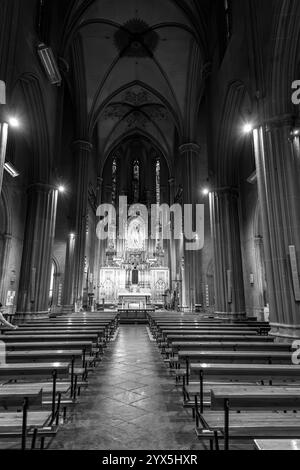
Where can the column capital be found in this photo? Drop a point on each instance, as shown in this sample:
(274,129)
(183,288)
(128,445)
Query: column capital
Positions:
(258,240)
(44,187)
(99,183)
(82,145)
(189,147)
(226,190)
(279,121)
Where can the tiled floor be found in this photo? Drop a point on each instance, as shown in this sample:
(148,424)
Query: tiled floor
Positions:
(131,403)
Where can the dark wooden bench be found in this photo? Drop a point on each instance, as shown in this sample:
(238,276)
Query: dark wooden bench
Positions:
(244,357)
(22,424)
(249,412)
(240,372)
(277,444)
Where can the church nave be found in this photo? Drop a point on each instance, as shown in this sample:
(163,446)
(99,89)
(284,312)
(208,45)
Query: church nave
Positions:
(132,402)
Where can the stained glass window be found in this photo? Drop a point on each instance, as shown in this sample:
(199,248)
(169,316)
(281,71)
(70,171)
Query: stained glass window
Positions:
(136,181)
(157,181)
(228,18)
(114,181)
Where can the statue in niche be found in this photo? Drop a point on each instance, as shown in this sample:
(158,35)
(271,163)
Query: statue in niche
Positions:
(136,235)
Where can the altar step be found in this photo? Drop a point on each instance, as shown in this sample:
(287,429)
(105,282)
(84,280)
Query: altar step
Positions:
(133,316)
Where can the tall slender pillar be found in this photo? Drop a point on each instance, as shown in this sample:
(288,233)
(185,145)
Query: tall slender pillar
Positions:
(190,154)
(229,285)
(172,257)
(68,293)
(277,156)
(82,152)
(260,277)
(3,131)
(4,266)
(99,244)
(35,275)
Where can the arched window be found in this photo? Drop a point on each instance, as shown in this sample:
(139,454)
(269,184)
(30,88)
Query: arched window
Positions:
(136,181)
(114,171)
(228,19)
(51,289)
(157,173)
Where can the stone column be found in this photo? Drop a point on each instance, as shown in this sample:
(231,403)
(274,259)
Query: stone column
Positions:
(82,152)
(277,156)
(229,285)
(35,274)
(3,144)
(7,238)
(173,263)
(260,277)
(99,243)
(190,155)
(68,292)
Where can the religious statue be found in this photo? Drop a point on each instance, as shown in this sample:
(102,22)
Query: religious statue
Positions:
(135,236)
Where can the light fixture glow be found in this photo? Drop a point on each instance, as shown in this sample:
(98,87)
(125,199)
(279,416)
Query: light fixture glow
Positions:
(205,192)
(248,128)
(61,189)
(14,122)
(296,132)
(11,169)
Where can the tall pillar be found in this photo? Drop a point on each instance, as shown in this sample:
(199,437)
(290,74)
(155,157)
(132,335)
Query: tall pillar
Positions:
(3,131)
(172,257)
(99,243)
(229,285)
(260,277)
(190,155)
(277,156)
(35,275)
(82,152)
(68,293)
(4,267)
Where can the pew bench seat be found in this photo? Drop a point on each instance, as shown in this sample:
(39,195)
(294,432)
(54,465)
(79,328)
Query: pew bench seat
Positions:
(277,444)
(250,425)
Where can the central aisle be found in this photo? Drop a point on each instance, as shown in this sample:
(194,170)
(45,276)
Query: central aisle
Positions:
(131,402)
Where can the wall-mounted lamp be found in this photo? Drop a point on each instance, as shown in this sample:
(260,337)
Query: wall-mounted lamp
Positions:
(49,63)
(205,192)
(11,169)
(14,122)
(248,128)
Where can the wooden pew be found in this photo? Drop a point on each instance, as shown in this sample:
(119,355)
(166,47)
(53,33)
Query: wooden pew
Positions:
(43,356)
(78,345)
(251,372)
(244,357)
(18,425)
(234,346)
(218,338)
(51,330)
(18,371)
(277,444)
(255,417)
(50,338)
(53,355)
(209,331)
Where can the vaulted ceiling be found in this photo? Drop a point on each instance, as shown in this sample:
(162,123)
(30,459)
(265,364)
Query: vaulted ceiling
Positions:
(137,68)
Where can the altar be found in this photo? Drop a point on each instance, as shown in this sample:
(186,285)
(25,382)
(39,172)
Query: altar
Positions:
(135,276)
(135,299)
